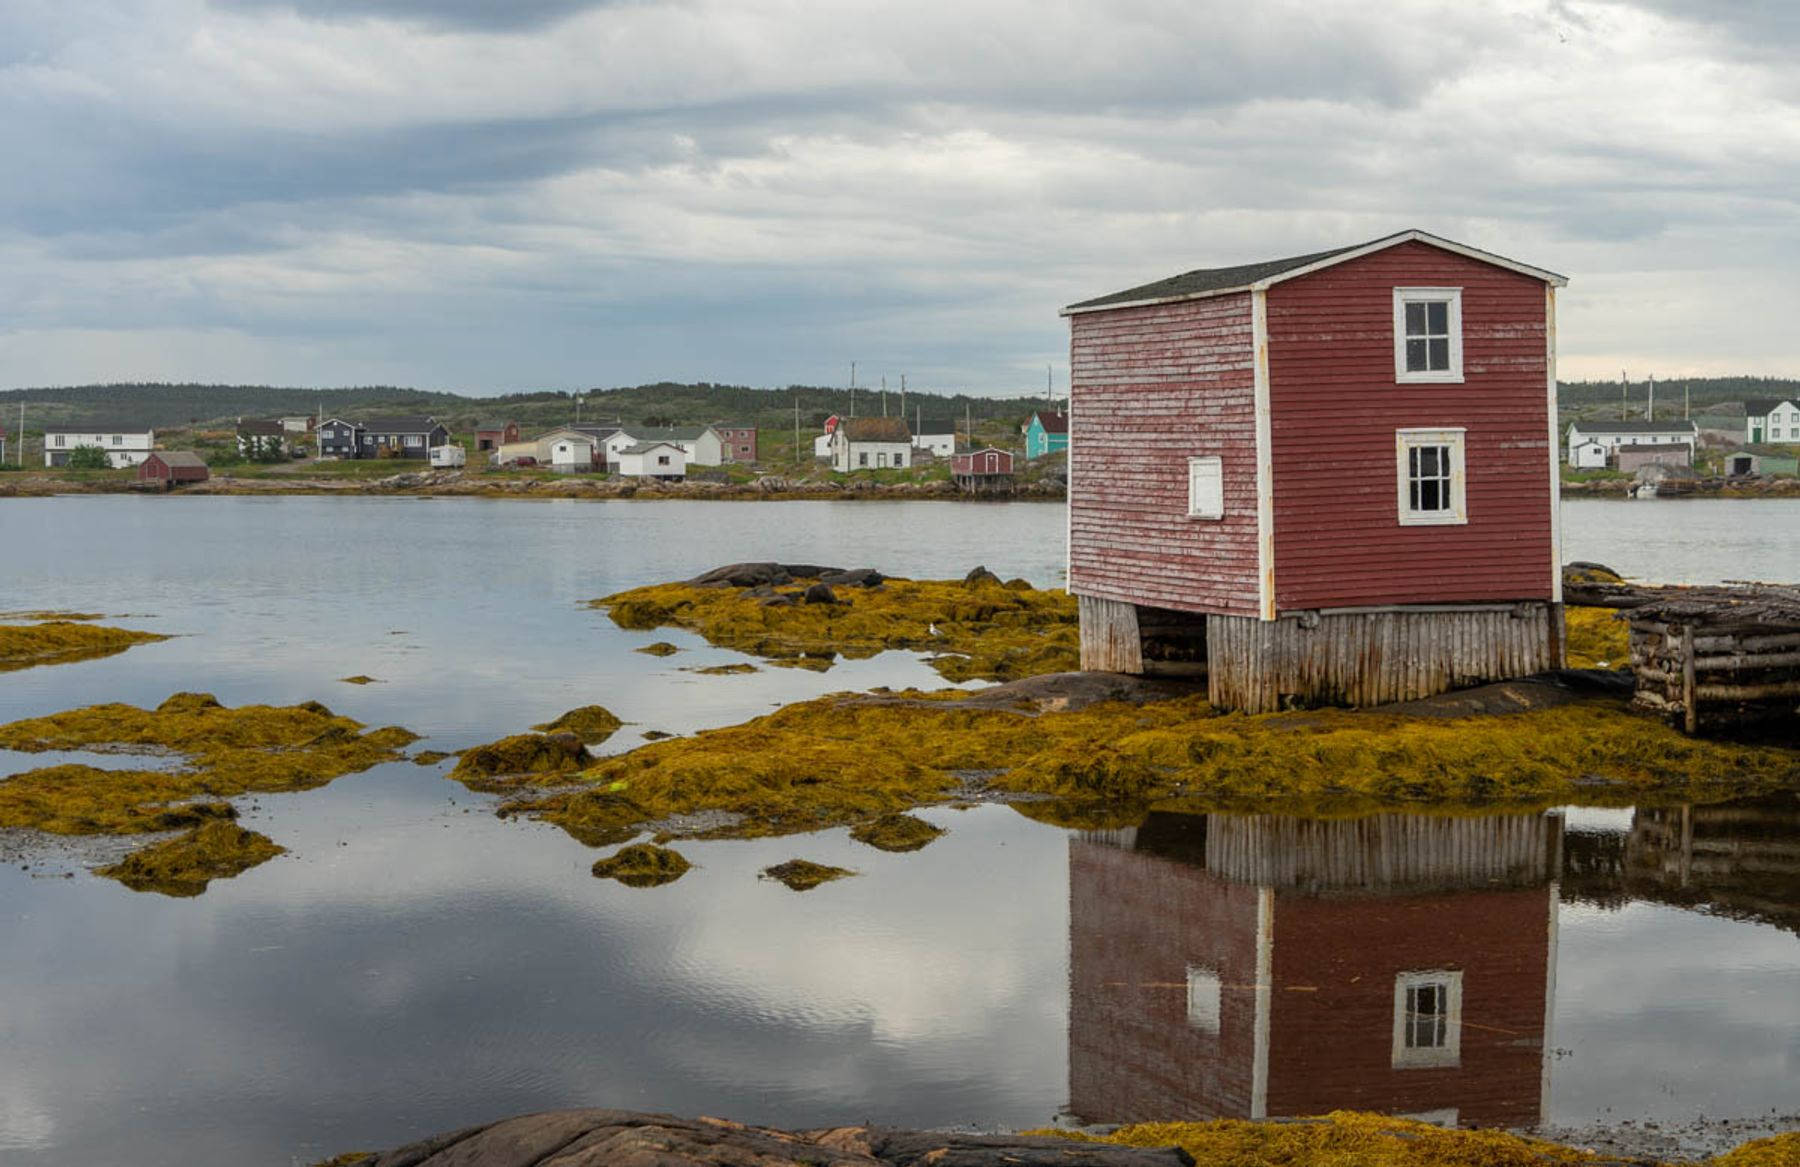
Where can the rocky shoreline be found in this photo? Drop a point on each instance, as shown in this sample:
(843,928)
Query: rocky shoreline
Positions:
(476,484)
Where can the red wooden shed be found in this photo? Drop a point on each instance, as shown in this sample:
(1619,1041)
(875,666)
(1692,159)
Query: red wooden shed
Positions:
(170,467)
(981,470)
(1325,479)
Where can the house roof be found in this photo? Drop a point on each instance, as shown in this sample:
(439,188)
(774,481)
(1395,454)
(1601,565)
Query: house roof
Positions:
(732,425)
(1764,406)
(656,433)
(259,427)
(1635,427)
(1256,276)
(876,429)
(182,458)
(1053,423)
(99,428)
(598,432)
(1652,448)
(936,425)
(567,431)
(405,423)
(491,426)
(646,447)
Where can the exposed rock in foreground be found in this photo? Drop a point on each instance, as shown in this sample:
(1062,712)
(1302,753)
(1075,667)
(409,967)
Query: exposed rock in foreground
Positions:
(623,1138)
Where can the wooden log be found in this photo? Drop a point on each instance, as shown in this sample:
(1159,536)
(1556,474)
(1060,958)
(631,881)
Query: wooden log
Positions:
(1736,644)
(1690,714)
(1770,692)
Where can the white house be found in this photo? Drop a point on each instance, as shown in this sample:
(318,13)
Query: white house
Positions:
(124,445)
(653,460)
(569,449)
(1587,455)
(1610,435)
(1771,419)
(822,443)
(937,435)
(700,445)
(871,443)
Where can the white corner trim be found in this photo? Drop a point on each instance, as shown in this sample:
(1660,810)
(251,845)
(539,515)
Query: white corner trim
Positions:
(1450,376)
(1556,575)
(1265,458)
(1265,991)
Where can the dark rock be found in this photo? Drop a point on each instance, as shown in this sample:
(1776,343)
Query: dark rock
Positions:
(760,592)
(779,601)
(749,575)
(622,1138)
(979,576)
(819,593)
(859,577)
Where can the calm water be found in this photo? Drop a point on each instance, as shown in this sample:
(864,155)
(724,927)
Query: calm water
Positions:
(416,964)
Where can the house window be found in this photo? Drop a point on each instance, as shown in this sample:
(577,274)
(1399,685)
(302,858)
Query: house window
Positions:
(662,459)
(414,440)
(1206,488)
(1428,334)
(1427,1020)
(862,459)
(1203,999)
(118,440)
(59,439)
(1431,477)
(899,459)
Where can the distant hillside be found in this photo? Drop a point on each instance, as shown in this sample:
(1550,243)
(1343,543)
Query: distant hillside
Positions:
(1720,395)
(172,406)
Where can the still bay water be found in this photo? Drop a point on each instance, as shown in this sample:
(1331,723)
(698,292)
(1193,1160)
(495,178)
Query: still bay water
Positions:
(416,964)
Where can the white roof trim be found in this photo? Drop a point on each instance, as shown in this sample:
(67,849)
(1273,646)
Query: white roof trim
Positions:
(1538,273)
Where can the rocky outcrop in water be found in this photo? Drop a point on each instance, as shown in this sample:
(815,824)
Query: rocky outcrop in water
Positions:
(623,1138)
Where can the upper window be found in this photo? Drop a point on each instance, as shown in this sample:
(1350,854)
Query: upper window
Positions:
(1427,1019)
(1428,334)
(1206,488)
(1431,477)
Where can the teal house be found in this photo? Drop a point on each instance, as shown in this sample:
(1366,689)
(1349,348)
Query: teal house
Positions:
(1046,433)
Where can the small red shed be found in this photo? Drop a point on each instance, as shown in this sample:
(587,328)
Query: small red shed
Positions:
(494,434)
(1331,479)
(171,467)
(989,468)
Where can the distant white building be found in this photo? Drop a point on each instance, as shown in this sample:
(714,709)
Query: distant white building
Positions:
(1610,435)
(653,460)
(700,445)
(822,443)
(570,449)
(124,446)
(871,443)
(1587,455)
(1771,419)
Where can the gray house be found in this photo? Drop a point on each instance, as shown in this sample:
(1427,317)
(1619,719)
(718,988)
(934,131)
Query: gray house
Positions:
(376,437)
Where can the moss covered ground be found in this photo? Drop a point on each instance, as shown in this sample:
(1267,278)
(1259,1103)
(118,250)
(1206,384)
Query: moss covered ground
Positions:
(1353,1139)
(1598,638)
(851,760)
(591,723)
(63,641)
(227,752)
(896,832)
(184,865)
(643,865)
(804,874)
(980,630)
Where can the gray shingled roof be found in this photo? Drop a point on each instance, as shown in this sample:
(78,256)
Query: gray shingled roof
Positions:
(877,429)
(402,424)
(653,433)
(937,425)
(1636,427)
(183,458)
(1211,279)
(646,447)
(1763,406)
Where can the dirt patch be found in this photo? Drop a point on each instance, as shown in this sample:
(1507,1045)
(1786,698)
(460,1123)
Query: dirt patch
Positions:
(643,865)
(980,628)
(64,641)
(804,874)
(183,866)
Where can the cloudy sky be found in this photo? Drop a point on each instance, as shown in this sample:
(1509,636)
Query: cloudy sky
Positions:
(492,195)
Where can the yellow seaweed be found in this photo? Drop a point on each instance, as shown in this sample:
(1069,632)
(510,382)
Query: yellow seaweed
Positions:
(64,641)
(1597,638)
(804,874)
(184,865)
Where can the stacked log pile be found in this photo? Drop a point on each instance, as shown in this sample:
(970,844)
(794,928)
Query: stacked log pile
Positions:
(1715,657)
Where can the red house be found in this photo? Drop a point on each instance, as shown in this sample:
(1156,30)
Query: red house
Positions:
(1331,479)
(171,467)
(984,469)
(737,441)
(1260,966)
(494,434)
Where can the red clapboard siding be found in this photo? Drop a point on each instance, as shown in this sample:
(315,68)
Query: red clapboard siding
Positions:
(1151,387)
(1334,409)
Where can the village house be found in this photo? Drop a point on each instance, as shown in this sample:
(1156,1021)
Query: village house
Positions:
(570,449)
(1771,419)
(934,435)
(870,443)
(1632,458)
(737,441)
(982,470)
(257,438)
(124,445)
(491,435)
(1330,479)
(1046,433)
(172,467)
(1610,435)
(661,460)
(1265,966)
(822,443)
(392,437)
(297,423)
(700,445)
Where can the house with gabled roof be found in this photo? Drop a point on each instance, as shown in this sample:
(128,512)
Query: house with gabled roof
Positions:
(1046,433)
(124,444)
(700,444)
(401,436)
(1771,419)
(871,443)
(1327,479)
(1610,435)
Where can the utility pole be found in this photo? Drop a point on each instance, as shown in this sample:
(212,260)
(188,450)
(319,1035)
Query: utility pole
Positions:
(1624,396)
(1049,391)
(903,396)
(1650,403)
(798,460)
(852,388)
(1687,401)
(969,422)
(884,395)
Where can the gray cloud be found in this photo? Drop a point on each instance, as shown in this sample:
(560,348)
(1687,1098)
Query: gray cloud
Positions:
(474,14)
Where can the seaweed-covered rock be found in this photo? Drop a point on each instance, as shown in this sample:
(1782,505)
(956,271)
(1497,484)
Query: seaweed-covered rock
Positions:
(643,865)
(63,641)
(804,874)
(660,648)
(896,832)
(819,593)
(978,576)
(521,754)
(590,723)
(190,703)
(184,866)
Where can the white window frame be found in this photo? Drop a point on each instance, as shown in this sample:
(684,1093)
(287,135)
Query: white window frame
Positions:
(1454,374)
(1408,440)
(1204,996)
(1204,508)
(1405,1057)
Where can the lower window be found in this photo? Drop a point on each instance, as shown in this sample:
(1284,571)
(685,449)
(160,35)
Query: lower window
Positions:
(1432,476)
(1427,1019)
